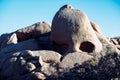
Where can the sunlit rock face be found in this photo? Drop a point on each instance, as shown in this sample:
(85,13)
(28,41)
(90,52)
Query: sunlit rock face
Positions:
(72,28)
(7,39)
(34,31)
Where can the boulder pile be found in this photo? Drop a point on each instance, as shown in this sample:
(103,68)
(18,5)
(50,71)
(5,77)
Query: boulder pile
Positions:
(71,48)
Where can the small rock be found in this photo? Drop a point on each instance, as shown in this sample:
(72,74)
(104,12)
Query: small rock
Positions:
(30,66)
(68,6)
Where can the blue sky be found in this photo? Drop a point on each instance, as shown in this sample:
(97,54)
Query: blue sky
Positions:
(16,14)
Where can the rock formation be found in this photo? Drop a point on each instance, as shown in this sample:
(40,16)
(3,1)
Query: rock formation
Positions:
(72,28)
(72,48)
(23,62)
(34,31)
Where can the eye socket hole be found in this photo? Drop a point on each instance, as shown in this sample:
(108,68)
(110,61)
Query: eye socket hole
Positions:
(69,7)
(87,46)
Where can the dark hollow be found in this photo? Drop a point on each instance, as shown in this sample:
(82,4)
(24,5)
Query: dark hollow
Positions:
(87,47)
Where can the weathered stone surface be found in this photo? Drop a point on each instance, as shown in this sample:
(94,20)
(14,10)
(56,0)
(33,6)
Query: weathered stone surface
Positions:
(7,39)
(14,65)
(105,67)
(27,62)
(25,45)
(71,59)
(30,66)
(72,28)
(48,60)
(34,31)
(46,55)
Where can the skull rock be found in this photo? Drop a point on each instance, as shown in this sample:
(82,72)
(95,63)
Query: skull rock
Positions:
(71,28)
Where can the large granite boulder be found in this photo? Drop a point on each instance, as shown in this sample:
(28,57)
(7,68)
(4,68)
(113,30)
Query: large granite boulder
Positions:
(41,43)
(71,59)
(71,28)
(34,31)
(30,44)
